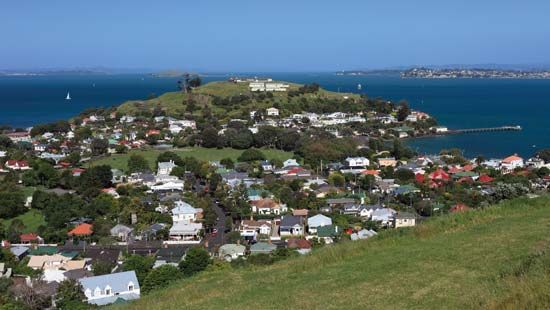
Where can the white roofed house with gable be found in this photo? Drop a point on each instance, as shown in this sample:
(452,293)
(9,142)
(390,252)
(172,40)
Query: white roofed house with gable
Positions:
(107,289)
(185,212)
(317,221)
(165,168)
(272,112)
(184,226)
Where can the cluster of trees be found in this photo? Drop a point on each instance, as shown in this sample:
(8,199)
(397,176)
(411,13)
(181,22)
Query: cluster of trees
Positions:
(55,127)
(196,260)
(306,89)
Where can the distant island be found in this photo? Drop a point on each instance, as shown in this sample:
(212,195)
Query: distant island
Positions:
(457,73)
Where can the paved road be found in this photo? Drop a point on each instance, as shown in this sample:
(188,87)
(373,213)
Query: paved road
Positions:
(216,241)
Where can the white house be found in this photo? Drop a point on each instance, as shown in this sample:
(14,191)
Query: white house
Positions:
(165,168)
(108,288)
(272,112)
(290,162)
(511,162)
(404,219)
(185,231)
(383,215)
(316,221)
(231,251)
(357,162)
(185,212)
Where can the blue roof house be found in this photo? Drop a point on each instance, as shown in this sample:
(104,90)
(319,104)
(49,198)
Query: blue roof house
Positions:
(110,288)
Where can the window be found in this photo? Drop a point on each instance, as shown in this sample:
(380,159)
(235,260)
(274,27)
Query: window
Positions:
(131,287)
(107,291)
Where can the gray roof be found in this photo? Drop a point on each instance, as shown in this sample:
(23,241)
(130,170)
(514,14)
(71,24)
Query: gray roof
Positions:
(118,228)
(18,250)
(291,220)
(117,281)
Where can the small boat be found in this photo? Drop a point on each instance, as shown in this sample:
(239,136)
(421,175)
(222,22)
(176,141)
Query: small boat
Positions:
(359,87)
(68,96)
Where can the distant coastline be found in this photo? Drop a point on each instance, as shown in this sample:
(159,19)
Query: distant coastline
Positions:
(461,73)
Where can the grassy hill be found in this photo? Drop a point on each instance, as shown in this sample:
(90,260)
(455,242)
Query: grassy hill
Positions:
(496,258)
(120,161)
(175,103)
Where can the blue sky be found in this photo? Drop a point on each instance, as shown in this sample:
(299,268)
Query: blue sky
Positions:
(271,35)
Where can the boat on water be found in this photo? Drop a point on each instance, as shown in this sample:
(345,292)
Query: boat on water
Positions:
(68,96)
(359,87)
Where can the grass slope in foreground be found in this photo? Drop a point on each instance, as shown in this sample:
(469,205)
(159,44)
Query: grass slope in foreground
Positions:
(495,258)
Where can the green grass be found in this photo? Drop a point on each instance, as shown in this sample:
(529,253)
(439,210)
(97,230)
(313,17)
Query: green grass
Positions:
(119,161)
(32,219)
(495,258)
(174,103)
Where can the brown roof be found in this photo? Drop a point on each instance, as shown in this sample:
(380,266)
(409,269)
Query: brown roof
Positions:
(295,243)
(300,212)
(265,203)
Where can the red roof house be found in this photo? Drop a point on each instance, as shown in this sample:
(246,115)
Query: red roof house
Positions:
(30,238)
(485,179)
(83,229)
(419,178)
(439,174)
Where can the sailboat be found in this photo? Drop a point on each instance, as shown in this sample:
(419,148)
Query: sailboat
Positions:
(359,86)
(68,96)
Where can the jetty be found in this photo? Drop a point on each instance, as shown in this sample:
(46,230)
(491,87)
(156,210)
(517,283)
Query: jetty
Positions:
(486,129)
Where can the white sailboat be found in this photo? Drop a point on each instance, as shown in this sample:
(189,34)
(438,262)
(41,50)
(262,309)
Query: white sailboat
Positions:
(359,87)
(68,96)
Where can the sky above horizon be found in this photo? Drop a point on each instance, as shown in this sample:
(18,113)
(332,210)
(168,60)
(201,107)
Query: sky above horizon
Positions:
(279,35)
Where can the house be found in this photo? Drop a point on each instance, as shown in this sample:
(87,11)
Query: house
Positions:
(174,185)
(231,251)
(327,233)
(110,288)
(19,252)
(291,226)
(290,163)
(249,229)
(121,232)
(300,212)
(185,231)
(266,165)
(83,229)
(118,176)
(256,194)
(272,112)
(301,246)
(340,202)
(383,215)
(262,248)
(17,164)
(404,219)
(185,212)
(54,261)
(317,221)
(165,168)
(510,163)
(357,162)
(170,255)
(31,238)
(267,206)
(387,162)
(363,234)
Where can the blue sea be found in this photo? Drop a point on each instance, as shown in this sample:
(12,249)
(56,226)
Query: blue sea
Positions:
(456,103)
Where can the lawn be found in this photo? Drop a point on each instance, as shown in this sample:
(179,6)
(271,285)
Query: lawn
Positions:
(31,219)
(495,258)
(119,161)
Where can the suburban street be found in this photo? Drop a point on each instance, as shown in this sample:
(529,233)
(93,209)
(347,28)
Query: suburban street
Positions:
(216,241)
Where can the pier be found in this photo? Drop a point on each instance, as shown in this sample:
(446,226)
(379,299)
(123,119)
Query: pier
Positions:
(487,129)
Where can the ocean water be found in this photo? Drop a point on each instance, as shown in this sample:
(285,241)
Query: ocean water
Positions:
(456,103)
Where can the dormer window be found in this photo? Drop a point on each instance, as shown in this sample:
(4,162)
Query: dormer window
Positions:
(107,291)
(130,286)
